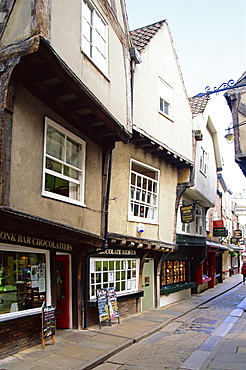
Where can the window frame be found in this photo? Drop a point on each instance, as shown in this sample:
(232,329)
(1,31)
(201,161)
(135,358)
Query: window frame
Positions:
(175,276)
(199,221)
(30,311)
(94,285)
(203,161)
(165,97)
(80,181)
(94,37)
(147,206)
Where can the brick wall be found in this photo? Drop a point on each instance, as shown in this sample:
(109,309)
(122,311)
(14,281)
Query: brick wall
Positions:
(16,335)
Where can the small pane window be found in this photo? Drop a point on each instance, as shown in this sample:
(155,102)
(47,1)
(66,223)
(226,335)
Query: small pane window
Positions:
(173,272)
(94,35)
(121,274)
(143,192)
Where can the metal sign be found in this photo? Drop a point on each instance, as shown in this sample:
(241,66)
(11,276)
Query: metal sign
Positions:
(187,213)
(220,231)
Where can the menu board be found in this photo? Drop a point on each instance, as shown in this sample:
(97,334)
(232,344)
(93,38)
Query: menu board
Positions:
(48,324)
(107,305)
(112,303)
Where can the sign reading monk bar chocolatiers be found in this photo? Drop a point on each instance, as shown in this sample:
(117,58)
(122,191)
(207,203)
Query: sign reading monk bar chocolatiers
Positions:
(9,237)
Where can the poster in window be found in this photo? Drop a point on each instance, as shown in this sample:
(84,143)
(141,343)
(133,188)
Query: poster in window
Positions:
(41,269)
(110,277)
(34,272)
(41,285)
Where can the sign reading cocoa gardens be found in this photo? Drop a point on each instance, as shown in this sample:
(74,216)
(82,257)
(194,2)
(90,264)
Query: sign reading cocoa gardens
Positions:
(12,238)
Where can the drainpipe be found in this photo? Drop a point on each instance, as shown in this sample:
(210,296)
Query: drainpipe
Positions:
(135,59)
(107,200)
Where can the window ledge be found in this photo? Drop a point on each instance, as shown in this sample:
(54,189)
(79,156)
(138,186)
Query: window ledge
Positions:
(138,294)
(165,290)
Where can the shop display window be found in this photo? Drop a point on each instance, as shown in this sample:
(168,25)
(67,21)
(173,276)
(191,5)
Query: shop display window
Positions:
(121,274)
(173,272)
(22,280)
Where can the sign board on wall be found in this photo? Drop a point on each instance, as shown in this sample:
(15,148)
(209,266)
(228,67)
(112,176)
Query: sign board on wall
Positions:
(220,231)
(187,213)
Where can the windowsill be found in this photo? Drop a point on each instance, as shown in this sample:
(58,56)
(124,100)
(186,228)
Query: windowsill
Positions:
(173,288)
(62,199)
(94,64)
(20,314)
(204,174)
(166,116)
(142,220)
(121,297)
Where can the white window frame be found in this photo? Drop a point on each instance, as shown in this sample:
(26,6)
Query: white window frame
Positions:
(203,164)
(165,99)
(131,283)
(138,195)
(80,170)
(94,38)
(199,220)
(30,311)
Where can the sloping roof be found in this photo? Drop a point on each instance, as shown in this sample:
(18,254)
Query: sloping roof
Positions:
(198,104)
(141,37)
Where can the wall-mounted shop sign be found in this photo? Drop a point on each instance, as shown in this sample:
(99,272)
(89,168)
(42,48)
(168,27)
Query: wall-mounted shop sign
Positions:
(9,237)
(238,234)
(218,223)
(187,213)
(118,252)
(235,240)
(220,231)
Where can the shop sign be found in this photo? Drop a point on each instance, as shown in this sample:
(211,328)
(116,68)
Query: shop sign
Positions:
(118,252)
(218,223)
(220,231)
(9,237)
(238,234)
(107,305)
(234,240)
(187,213)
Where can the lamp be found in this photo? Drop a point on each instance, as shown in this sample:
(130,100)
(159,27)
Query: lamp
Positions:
(230,136)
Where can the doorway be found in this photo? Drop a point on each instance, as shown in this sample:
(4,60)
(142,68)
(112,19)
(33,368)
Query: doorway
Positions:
(62,291)
(148,284)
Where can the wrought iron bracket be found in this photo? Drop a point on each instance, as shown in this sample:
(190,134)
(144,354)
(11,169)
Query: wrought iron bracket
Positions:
(225,86)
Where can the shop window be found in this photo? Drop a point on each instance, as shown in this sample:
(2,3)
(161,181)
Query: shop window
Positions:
(122,274)
(144,183)
(64,160)
(22,280)
(94,36)
(173,272)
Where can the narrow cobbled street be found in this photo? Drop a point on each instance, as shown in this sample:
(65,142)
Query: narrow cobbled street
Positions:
(200,339)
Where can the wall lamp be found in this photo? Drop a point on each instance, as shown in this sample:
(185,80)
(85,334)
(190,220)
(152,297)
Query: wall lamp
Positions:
(230,136)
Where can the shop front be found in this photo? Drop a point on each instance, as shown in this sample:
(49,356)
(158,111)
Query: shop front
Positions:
(41,264)
(178,269)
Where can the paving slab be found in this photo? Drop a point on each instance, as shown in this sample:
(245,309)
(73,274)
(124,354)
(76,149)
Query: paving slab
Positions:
(126,354)
(210,344)
(196,360)
(222,329)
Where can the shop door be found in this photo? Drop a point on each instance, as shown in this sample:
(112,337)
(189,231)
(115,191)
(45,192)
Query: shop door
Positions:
(62,291)
(148,284)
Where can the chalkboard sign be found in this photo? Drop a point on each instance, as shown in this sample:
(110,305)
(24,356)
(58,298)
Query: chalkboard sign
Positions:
(48,324)
(112,304)
(102,304)
(107,305)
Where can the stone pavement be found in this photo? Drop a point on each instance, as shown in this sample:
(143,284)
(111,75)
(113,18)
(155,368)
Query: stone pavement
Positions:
(88,349)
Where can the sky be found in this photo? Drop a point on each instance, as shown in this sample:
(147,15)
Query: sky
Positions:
(210,41)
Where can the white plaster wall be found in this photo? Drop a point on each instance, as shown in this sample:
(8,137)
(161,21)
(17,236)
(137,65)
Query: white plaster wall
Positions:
(110,89)
(159,60)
